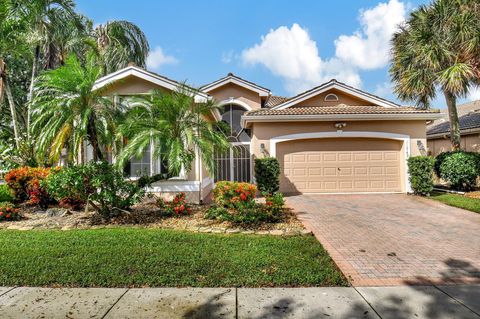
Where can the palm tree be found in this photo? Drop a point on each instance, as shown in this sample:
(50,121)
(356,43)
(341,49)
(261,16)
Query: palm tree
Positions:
(68,112)
(438,48)
(119,43)
(43,18)
(175,126)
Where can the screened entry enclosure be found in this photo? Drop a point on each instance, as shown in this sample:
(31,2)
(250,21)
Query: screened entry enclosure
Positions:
(234,164)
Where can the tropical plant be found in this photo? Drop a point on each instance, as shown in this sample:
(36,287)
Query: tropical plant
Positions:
(68,111)
(438,48)
(175,125)
(99,184)
(43,18)
(119,43)
(461,170)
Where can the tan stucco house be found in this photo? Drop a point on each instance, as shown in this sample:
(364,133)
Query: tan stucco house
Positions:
(330,139)
(438,132)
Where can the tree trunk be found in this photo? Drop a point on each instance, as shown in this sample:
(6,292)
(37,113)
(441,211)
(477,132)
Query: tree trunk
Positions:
(93,139)
(13,111)
(453,118)
(30,92)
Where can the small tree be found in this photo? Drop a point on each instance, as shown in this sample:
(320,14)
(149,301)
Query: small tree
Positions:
(267,174)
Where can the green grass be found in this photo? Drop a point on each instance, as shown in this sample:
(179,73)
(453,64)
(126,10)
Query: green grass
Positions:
(472,204)
(122,257)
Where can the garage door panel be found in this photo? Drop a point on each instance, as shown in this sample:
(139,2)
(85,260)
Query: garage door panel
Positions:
(360,165)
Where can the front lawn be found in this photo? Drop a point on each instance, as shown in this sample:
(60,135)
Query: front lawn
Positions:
(147,257)
(460,201)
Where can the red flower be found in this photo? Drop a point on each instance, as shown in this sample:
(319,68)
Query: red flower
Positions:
(243,197)
(8,216)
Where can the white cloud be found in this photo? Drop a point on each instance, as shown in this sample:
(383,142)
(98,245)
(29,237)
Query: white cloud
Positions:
(293,55)
(369,47)
(474,94)
(384,89)
(156,58)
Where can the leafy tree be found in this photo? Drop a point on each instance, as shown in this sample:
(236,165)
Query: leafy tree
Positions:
(438,48)
(175,125)
(68,111)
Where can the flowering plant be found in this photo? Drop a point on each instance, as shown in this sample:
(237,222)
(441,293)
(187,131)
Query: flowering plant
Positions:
(177,206)
(26,184)
(8,212)
(232,194)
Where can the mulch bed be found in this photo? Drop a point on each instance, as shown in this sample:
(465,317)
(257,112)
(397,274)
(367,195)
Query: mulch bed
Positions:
(148,215)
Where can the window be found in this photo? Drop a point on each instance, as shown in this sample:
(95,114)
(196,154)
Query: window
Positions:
(331,98)
(142,166)
(232,115)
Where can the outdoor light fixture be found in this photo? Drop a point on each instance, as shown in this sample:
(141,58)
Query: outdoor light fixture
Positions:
(340,125)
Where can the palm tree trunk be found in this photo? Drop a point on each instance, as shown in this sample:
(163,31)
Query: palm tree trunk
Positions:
(13,111)
(32,82)
(93,139)
(453,118)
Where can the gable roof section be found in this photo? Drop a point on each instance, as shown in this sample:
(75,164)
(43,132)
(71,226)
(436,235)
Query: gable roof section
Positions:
(275,100)
(199,97)
(469,122)
(232,78)
(334,84)
(147,76)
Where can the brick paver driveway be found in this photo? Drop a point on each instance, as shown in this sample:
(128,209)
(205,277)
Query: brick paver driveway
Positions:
(394,239)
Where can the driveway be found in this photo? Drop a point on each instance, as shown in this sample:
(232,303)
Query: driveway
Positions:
(394,239)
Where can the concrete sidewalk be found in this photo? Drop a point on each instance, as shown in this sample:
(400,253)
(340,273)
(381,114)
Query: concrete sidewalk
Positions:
(366,302)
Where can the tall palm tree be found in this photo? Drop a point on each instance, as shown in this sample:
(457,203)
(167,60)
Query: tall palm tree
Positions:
(118,43)
(438,48)
(43,18)
(68,112)
(175,126)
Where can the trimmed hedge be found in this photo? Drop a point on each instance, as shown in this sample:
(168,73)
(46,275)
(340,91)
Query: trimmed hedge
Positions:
(420,169)
(460,170)
(267,174)
(439,160)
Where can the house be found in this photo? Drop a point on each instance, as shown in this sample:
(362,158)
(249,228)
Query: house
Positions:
(330,139)
(438,133)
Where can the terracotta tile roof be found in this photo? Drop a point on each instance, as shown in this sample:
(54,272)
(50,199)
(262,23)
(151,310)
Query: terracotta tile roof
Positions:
(339,109)
(275,100)
(467,122)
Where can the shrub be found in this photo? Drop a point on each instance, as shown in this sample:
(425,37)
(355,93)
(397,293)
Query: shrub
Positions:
(230,194)
(147,181)
(439,160)
(177,206)
(267,174)
(26,184)
(99,184)
(275,204)
(420,169)
(72,203)
(5,194)
(215,212)
(461,170)
(8,212)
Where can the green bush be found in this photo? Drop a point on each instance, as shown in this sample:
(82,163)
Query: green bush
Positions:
(420,169)
(99,184)
(267,174)
(439,160)
(5,194)
(461,170)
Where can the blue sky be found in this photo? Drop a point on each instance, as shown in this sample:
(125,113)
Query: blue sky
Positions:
(287,46)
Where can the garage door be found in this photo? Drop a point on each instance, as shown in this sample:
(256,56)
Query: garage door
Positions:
(340,165)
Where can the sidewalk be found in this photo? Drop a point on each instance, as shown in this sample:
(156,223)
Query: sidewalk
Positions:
(365,302)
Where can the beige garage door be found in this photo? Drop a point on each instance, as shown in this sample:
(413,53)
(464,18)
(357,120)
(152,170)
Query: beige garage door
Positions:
(340,165)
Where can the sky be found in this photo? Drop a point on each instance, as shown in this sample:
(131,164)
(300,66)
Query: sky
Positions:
(286,46)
